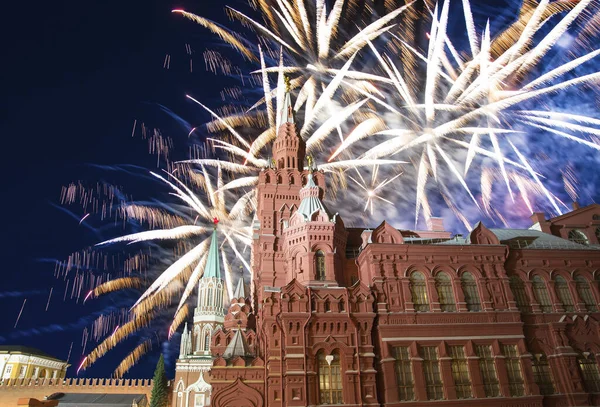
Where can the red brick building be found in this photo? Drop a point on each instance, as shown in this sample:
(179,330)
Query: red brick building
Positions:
(387,317)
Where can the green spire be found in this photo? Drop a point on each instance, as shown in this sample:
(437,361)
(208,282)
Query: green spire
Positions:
(213,266)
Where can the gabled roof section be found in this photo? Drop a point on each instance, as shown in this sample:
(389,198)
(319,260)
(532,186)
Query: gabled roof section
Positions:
(213,266)
(482,235)
(237,347)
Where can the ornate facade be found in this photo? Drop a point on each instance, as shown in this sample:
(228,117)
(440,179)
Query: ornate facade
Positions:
(388,317)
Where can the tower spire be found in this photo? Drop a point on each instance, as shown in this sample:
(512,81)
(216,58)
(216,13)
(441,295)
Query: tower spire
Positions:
(212,269)
(288,148)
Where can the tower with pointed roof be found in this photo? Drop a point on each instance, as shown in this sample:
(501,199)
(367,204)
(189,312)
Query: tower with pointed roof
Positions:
(278,194)
(195,356)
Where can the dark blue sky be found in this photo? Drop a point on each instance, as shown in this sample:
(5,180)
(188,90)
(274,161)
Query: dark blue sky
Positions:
(74,77)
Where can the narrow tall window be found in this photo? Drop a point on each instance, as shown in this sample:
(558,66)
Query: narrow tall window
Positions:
(516,385)
(431,370)
(590,373)
(418,289)
(564,294)
(598,233)
(330,378)
(487,367)
(443,286)
(210,296)
(320,265)
(460,372)
(577,236)
(518,289)
(542,375)
(540,291)
(404,376)
(471,292)
(585,293)
(207,341)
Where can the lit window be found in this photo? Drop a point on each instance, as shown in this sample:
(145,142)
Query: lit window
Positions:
(541,294)
(487,368)
(471,292)
(418,289)
(22,371)
(404,376)
(445,293)
(513,368)
(564,294)
(518,289)
(330,378)
(431,370)
(589,372)
(577,236)
(585,293)
(320,265)
(542,375)
(8,371)
(460,372)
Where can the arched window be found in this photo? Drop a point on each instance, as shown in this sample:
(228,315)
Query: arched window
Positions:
(471,292)
(518,289)
(596,217)
(443,286)
(589,372)
(330,378)
(585,293)
(320,265)
(327,306)
(540,291)
(563,293)
(578,236)
(542,374)
(418,289)
(207,341)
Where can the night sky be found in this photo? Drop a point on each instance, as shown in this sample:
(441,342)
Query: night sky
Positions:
(74,77)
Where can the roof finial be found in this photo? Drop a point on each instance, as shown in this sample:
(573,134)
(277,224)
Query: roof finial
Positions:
(288,85)
(215,222)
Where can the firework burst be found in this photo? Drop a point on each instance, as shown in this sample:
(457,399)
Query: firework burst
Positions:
(455,113)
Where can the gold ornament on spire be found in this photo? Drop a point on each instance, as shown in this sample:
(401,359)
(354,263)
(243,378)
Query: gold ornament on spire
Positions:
(288,86)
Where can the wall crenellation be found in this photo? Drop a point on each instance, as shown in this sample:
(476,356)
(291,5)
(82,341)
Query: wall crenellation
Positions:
(76,382)
(12,390)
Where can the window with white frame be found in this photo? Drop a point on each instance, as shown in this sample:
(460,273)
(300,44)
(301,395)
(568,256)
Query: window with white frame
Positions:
(8,371)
